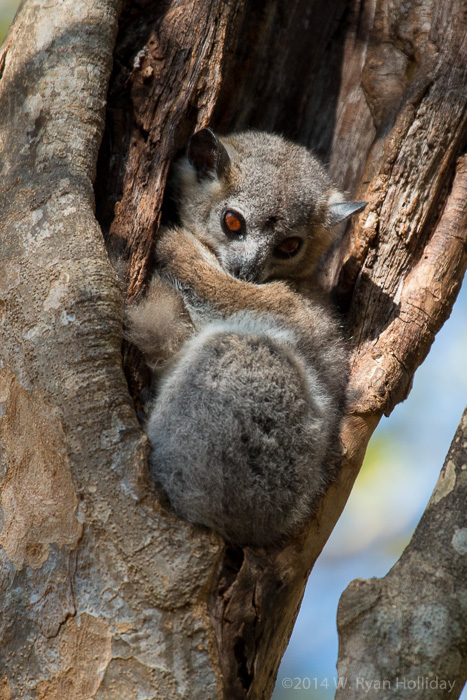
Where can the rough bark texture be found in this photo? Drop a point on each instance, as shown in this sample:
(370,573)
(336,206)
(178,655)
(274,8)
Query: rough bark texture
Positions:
(406,635)
(102,594)
(167,66)
(115,596)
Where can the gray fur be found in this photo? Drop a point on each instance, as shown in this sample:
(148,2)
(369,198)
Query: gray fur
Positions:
(241,427)
(270,179)
(246,414)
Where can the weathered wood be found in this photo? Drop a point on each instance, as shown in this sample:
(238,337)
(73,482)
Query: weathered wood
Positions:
(168,73)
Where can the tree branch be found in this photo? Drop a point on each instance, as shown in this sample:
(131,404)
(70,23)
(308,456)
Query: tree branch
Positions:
(406,634)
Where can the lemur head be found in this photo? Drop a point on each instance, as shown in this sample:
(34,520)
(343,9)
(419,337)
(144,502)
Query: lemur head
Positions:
(263,205)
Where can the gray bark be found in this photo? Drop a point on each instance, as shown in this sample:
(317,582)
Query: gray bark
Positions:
(103,594)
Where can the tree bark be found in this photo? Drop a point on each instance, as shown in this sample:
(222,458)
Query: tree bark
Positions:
(406,634)
(118,596)
(103,594)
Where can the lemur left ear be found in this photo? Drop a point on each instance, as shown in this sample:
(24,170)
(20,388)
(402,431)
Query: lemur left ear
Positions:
(341,211)
(208,155)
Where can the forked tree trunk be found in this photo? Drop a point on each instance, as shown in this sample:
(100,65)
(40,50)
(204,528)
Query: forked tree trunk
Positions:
(106,594)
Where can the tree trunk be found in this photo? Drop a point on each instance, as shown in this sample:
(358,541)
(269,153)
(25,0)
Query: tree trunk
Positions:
(105,593)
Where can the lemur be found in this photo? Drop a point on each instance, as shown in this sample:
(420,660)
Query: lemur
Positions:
(249,362)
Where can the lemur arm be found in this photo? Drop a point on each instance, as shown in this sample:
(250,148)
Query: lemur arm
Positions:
(185,259)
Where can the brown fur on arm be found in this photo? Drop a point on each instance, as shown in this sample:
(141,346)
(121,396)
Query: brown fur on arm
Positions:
(185,258)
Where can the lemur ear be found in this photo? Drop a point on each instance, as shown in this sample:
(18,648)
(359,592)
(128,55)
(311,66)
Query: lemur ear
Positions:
(341,211)
(208,155)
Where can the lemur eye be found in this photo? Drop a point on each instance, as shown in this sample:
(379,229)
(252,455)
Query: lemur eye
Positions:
(233,223)
(288,248)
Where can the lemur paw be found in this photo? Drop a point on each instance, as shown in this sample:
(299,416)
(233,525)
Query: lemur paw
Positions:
(178,247)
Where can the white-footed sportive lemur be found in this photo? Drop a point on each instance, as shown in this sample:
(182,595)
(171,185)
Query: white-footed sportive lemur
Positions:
(250,368)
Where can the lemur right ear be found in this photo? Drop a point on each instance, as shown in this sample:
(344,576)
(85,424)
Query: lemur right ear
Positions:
(208,155)
(341,211)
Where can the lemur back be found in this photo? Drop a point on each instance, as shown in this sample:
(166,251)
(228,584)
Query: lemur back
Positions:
(251,374)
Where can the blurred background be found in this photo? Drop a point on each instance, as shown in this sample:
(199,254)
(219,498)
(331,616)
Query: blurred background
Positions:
(7,12)
(401,467)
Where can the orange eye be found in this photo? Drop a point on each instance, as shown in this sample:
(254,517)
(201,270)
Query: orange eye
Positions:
(233,223)
(288,248)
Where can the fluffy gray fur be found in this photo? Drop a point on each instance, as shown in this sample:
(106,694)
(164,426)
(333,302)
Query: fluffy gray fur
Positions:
(241,427)
(248,402)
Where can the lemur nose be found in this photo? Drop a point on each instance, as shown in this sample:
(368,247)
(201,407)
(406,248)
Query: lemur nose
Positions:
(245,272)
(246,269)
